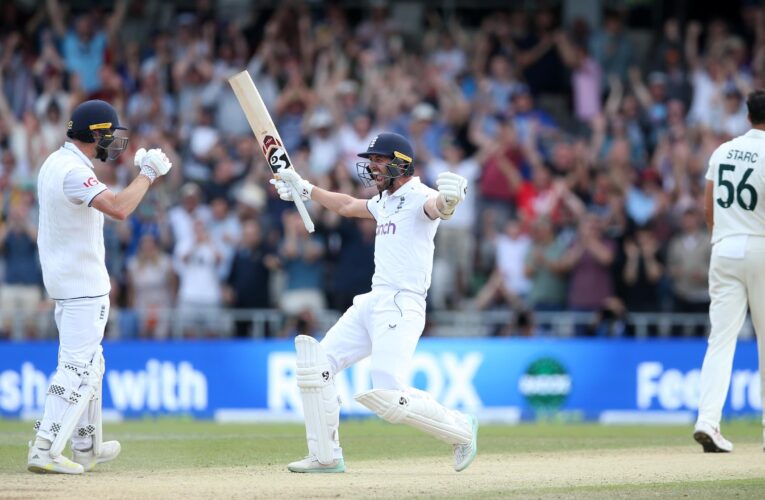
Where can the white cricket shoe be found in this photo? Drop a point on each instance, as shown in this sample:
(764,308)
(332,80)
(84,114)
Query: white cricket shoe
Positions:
(39,460)
(311,464)
(710,439)
(465,453)
(109,451)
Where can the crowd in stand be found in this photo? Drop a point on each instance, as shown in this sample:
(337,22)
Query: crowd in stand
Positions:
(585,157)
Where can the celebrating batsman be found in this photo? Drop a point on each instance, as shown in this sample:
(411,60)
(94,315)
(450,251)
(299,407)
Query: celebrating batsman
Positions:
(386,322)
(736,217)
(71,245)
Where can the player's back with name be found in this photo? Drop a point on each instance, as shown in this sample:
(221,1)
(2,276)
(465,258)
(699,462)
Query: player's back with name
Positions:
(741,155)
(738,173)
(745,151)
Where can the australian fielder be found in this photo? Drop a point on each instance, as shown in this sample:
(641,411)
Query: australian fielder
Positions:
(387,322)
(71,246)
(736,216)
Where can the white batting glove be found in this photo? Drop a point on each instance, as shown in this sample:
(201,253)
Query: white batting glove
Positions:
(452,189)
(153,163)
(284,190)
(293,180)
(138,158)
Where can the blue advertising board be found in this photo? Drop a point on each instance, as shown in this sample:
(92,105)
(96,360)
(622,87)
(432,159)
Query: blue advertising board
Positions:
(609,380)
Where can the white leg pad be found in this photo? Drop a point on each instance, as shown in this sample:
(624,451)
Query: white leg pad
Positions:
(420,411)
(80,400)
(94,410)
(89,431)
(63,392)
(320,402)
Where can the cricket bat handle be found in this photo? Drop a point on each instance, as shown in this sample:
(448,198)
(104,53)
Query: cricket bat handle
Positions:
(302,211)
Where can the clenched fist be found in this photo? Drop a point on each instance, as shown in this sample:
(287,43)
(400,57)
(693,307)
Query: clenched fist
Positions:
(153,163)
(290,182)
(452,189)
(284,191)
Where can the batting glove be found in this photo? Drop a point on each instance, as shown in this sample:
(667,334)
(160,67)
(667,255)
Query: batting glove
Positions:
(452,189)
(293,180)
(284,190)
(153,163)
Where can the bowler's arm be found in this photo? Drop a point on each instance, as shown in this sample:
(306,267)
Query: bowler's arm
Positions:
(341,204)
(709,204)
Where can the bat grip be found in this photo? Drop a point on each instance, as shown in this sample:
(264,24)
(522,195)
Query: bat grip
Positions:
(302,211)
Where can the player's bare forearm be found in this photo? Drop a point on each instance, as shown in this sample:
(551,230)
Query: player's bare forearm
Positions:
(434,207)
(122,204)
(340,203)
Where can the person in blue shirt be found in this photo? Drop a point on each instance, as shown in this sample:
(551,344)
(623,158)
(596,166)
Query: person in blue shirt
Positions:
(84,44)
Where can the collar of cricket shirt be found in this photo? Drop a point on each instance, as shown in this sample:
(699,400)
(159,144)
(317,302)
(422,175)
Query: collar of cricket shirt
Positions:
(755,134)
(410,185)
(74,149)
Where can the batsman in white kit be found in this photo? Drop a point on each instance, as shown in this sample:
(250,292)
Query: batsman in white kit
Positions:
(387,322)
(71,246)
(736,217)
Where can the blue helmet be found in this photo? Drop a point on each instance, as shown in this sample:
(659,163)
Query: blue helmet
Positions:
(393,146)
(96,121)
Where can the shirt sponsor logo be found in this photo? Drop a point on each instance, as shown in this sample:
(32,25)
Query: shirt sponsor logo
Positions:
(388,228)
(92,181)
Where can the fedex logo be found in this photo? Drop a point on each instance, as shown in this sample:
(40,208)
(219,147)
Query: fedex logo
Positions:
(386,228)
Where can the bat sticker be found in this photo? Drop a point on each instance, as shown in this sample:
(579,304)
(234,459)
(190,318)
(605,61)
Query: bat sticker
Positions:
(277,156)
(269,142)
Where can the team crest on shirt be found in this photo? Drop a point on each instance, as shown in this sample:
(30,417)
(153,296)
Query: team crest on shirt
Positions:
(400,204)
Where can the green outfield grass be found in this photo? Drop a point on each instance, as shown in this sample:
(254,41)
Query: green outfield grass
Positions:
(157,446)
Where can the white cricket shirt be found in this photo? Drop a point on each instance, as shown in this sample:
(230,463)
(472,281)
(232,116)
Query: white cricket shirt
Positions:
(737,169)
(404,239)
(71,233)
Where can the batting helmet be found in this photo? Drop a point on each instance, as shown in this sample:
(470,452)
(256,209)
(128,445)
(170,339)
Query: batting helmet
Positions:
(393,146)
(97,120)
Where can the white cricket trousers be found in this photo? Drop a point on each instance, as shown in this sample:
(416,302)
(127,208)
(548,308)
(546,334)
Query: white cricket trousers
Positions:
(81,324)
(733,284)
(385,324)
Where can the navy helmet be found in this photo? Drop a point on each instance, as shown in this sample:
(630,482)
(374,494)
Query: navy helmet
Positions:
(95,121)
(393,146)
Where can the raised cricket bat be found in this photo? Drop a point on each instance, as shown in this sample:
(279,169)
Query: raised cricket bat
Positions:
(266,134)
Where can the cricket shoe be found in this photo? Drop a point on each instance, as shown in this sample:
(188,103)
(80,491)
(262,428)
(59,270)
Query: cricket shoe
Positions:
(109,451)
(39,460)
(710,439)
(311,464)
(465,453)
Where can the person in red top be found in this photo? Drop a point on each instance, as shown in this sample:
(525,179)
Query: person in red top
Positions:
(501,158)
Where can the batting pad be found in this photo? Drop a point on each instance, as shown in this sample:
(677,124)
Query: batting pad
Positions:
(320,404)
(420,411)
(91,378)
(94,409)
